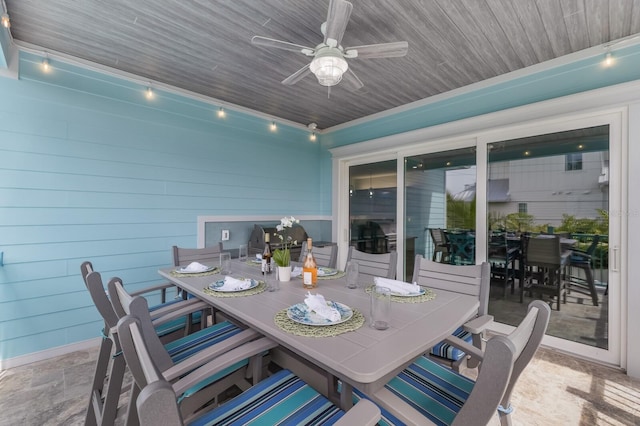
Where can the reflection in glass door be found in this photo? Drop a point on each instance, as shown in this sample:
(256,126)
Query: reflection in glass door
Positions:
(372,206)
(440,200)
(552,186)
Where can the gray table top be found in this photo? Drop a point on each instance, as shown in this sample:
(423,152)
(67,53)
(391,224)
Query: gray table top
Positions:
(365,358)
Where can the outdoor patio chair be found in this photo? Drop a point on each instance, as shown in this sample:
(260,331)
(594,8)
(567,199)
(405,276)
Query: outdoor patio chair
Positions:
(462,246)
(283,398)
(326,255)
(170,321)
(582,260)
(502,256)
(440,245)
(374,265)
(429,393)
(545,262)
(471,280)
(182,356)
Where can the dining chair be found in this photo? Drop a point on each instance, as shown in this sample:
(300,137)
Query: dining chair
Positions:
(103,402)
(463,248)
(428,393)
(471,280)
(582,260)
(181,356)
(374,265)
(325,255)
(502,255)
(545,262)
(282,398)
(440,245)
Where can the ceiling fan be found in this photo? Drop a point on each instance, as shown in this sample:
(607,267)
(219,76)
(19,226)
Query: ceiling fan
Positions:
(329,63)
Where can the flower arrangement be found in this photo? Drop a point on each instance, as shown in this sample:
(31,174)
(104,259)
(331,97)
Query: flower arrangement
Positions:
(282,256)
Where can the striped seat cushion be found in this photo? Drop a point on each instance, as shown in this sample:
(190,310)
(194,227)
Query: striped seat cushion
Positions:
(186,346)
(177,324)
(280,399)
(445,350)
(433,389)
(387,418)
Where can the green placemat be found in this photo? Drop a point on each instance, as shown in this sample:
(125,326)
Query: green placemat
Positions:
(214,271)
(262,286)
(428,295)
(282,320)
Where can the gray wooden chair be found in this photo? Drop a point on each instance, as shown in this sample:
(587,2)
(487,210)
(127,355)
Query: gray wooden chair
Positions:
(440,245)
(325,255)
(181,356)
(374,265)
(545,262)
(428,393)
(267,402)
(170,324)
(471,280)
(184,256)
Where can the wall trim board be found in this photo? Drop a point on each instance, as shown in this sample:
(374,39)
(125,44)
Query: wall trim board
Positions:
(30,358)
(202,220)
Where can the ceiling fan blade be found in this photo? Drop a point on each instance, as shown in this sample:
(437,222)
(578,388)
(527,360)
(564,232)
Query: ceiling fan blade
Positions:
(297,76)
(337,20)
(279,44)
(351,82)
(383,50)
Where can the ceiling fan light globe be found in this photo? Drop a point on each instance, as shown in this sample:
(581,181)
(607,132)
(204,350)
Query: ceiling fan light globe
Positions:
(328,69)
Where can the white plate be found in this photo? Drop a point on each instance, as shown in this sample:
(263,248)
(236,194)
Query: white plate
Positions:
(301,313)
(422,292)
(326,272)
(216,286)
(183,271)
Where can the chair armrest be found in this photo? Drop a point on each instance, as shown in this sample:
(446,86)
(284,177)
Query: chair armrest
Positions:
(478,325)
(212,352)
(364,413)
(152,288)
(181,311)
(465,347)
(223,361)
(170,308)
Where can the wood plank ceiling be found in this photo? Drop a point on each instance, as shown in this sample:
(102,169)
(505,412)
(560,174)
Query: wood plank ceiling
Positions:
(204,46)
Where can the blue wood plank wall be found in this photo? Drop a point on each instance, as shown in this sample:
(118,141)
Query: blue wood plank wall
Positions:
(90,169)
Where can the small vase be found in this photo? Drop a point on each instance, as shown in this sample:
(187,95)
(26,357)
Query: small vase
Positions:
(284,273)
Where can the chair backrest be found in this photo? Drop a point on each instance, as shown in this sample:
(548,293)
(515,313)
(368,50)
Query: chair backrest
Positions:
(505,358)
(473,280)
(184,256)
(375,265)
(93,282)
(438,236)
(137,306)
(544,251)
(326,255)
(463,248)
(592,247)
(156,403)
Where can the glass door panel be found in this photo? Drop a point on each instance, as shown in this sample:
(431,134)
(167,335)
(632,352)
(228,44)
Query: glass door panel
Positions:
(440,200)
(372,206)
(552,186)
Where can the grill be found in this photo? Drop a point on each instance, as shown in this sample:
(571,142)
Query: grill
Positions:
(256,240)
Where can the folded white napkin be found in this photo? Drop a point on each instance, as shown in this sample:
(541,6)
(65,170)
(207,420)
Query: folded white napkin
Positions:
(317,304)
(397,287)
(234,284)
(296,271)
(258,256)
(195,267)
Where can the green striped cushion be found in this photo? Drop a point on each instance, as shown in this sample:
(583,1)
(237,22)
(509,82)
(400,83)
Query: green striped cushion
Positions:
(445,350)
(432,389)
(280,399)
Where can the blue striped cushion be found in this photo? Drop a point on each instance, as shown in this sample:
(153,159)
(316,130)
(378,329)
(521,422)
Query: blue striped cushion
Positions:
(177,324)
(186,346)
(445,350)
(387,418)
(432,389)
(280,399)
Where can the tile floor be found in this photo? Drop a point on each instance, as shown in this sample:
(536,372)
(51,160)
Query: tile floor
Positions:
(555,389)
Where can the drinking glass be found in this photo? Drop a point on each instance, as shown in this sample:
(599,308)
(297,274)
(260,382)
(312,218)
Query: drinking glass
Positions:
(380,307)
(243,253)
(353,273)
(272,281)
(225,263)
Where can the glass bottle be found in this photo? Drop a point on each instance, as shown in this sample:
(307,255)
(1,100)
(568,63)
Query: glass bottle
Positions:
(309,268)
(266,255)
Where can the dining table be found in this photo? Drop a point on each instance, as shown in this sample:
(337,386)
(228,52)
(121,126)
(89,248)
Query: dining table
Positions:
(363,357)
